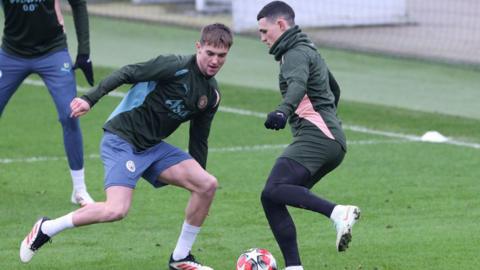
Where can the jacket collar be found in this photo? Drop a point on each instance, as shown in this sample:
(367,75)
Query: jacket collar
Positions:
(289,39)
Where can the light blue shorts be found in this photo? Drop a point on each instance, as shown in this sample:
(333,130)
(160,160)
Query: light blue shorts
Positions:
(124,166)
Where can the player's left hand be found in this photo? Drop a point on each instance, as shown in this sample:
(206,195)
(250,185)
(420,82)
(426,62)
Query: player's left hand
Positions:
(276,120)
(84,63)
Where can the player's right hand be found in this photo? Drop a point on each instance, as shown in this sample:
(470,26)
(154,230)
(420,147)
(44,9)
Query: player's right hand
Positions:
(79,107)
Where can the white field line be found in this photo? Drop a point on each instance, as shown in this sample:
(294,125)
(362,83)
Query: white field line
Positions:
(360,129)
(251,148)
(254,148)
(39,159)
(347,127)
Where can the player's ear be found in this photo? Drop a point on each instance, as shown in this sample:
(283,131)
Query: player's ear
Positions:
(282,23)
(198,45)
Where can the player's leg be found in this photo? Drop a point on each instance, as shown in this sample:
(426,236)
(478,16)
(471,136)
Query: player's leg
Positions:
(280,191)
(283,229)
(343,216)
(56,71)
(202,186)
(287,184)
(179,169)
(123,167)
(114,208)
(13,70)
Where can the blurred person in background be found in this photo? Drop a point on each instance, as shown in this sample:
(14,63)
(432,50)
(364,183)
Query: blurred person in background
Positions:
(34,41)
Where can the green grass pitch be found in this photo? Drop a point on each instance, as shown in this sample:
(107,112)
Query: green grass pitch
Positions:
(419,200)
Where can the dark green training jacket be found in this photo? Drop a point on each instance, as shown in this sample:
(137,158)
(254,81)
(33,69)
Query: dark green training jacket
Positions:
(174,90)
(308,99)
(32,27)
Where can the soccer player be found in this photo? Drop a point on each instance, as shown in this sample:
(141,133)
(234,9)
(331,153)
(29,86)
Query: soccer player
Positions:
(34,41)
(168,90)
(310,97)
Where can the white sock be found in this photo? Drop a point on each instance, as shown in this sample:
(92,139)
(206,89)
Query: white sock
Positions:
(297,267)
(78,179)
(54,226)
(185,241)
(337,212)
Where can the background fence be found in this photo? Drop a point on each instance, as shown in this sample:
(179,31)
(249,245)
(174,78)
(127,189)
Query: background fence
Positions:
(440,30)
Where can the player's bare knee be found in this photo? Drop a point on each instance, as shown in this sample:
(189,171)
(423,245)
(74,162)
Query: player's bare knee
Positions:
(211,184)
(208,185)
(115,213)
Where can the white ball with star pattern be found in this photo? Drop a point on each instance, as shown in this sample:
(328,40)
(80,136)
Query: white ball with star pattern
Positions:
(256,259)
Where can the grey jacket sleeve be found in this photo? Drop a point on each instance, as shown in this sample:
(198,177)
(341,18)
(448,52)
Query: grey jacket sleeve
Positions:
(295,70)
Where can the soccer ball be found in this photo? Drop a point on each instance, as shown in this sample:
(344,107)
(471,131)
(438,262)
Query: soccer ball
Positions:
(256,259)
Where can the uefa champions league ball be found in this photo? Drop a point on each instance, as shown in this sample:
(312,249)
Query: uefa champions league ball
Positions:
(256,259)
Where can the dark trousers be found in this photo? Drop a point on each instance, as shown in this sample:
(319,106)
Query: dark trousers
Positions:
(289,184)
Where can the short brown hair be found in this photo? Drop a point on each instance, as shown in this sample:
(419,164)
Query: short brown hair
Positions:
(217,35)
(276,9)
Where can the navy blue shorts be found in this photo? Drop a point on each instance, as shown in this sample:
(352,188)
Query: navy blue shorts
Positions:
(124,166)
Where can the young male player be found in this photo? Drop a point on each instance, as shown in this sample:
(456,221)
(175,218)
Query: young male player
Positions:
(169,90)
(34,41)
(310,96)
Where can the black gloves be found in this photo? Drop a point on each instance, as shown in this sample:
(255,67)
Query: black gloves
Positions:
(84,63)
(276,120)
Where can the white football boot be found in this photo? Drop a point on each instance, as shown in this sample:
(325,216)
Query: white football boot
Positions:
(344,217)
(81,197)
(33,241)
